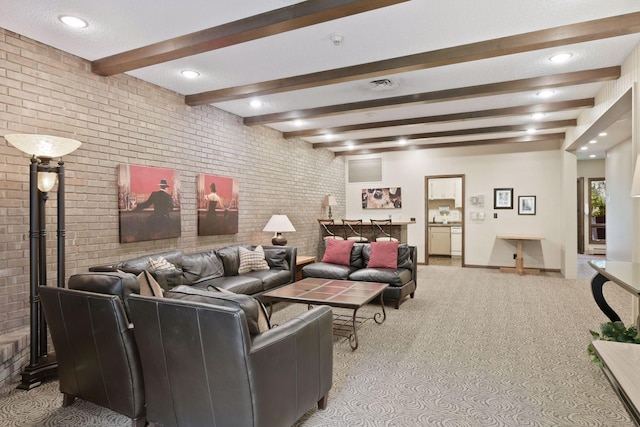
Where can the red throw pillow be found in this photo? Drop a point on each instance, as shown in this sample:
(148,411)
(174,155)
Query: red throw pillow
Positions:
(338,251)
(383,255)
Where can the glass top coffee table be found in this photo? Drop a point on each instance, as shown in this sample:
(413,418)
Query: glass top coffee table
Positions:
(335,293)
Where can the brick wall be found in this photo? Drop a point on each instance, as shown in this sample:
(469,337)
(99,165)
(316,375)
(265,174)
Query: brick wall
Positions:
(123,120)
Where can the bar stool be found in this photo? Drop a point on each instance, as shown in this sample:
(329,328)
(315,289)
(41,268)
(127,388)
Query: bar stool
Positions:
(379,234)
(326,231)
(353,230)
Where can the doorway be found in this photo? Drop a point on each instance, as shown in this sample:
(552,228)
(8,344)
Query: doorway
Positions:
(444,218)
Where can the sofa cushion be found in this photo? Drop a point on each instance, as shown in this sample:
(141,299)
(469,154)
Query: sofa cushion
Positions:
(271,278)
(167,279)
(323,270)
(230,259)
(404,257)
(383,255)
(356,255)
(252,260)
(249,305)
(244,284)
(199,266)
(276,258)
(338,251)
(382,275)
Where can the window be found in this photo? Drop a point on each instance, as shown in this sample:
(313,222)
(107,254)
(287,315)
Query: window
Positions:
(597,210)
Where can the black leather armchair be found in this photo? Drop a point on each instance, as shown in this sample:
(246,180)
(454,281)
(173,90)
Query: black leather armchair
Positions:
(95,348)
(203,368)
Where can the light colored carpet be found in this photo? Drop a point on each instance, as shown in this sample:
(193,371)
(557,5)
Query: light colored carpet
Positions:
(474,348)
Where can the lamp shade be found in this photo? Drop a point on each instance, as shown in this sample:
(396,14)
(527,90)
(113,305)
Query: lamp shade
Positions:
(330,200)
(635,185)
(44,146)
(278,224)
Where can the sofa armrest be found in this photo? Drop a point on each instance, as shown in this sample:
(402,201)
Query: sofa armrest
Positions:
(291,255)
(304,345)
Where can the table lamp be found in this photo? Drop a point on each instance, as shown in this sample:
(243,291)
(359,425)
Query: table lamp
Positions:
(329,201)
(279,224)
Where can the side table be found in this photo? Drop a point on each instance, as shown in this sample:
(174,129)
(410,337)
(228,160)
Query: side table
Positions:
(301,261)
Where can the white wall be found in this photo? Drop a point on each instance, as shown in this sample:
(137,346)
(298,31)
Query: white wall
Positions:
(535,173)
(619,173)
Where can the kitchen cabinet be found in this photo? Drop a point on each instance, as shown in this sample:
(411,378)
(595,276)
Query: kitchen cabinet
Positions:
(439,240)
(446,188)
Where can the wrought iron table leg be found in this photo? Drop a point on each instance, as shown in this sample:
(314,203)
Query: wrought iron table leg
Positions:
(596,289)
(384,313)
(353,338)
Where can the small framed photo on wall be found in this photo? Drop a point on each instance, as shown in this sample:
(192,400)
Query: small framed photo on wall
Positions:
(503,198)
(526,205)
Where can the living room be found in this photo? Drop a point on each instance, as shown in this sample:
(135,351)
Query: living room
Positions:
(122,119)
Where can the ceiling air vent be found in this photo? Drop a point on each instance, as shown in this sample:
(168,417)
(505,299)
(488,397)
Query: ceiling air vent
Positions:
(382,84)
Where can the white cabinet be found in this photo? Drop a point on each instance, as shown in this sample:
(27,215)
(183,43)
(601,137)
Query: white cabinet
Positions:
(446,188)
(439,241)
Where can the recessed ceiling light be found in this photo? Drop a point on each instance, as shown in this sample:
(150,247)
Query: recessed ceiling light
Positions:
(593,141)
(328,136)
(298,123)
(256,103)
(537,116)
(402,141)
(531,130)
(546,93)
(584,148)
(602,134)
(72,21)
(350,146)
(190,74)
(592,155)
(561,57)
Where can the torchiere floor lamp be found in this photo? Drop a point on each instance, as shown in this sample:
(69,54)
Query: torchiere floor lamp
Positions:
(42,179)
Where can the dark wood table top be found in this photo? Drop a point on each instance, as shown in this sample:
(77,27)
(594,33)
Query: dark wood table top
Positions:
(336,293)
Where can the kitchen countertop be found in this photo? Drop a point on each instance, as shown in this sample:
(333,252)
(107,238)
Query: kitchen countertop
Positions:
(450,224)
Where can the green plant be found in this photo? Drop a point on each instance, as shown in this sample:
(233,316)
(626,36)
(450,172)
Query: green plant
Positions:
(612,331)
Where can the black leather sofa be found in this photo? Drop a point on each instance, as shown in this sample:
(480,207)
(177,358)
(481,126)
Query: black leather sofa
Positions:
(402,281)
(218,267)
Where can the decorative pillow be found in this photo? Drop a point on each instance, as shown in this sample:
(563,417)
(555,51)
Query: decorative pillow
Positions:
(160,264)
(148,285)
(228,299)
(252,260)
(383,255)
(263,318)
(338,251)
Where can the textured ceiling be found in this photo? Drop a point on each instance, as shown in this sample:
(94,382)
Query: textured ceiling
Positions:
(398,30)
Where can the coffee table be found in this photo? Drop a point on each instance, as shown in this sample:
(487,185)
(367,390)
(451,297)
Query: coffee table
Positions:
(335,293)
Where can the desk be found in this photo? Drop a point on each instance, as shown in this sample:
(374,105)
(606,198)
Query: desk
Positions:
(519,268)
(624,274)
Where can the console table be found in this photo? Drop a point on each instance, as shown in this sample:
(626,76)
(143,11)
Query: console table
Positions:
(519,268)
(624,274)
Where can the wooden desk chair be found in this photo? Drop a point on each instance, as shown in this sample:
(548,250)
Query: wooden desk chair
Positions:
(353,230)
(326,231)
(379,233)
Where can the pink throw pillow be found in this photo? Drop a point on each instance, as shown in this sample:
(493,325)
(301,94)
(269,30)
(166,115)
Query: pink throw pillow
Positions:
(338,251)
(383,255)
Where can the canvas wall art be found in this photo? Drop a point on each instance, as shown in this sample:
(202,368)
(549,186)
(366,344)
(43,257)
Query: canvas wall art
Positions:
(381,198)
(217,205)
(148,202)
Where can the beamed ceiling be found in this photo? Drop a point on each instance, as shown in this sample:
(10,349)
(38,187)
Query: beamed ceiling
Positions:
(365,76)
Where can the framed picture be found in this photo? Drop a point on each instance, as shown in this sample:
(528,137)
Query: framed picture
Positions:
(526,205)
(382,198)
(503,198)
(148,203)
(217,205)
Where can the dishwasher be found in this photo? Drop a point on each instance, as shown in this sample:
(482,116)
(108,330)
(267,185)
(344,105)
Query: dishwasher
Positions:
(456,241)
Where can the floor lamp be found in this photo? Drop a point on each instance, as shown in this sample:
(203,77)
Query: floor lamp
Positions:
(42,179)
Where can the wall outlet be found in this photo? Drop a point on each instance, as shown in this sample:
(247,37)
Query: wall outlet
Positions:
(495,215)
